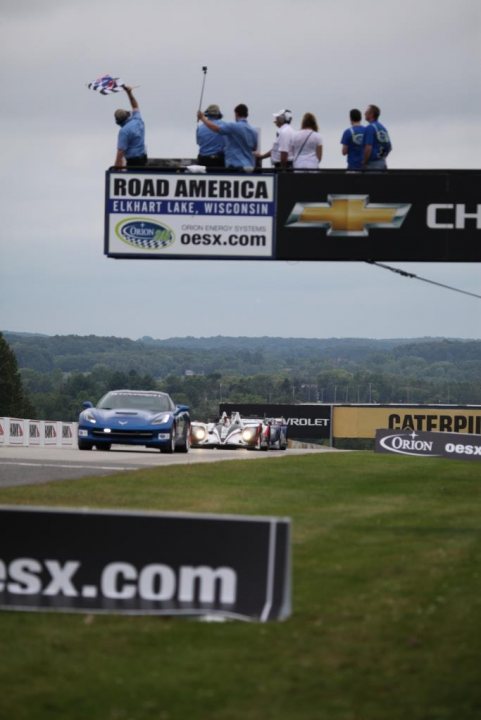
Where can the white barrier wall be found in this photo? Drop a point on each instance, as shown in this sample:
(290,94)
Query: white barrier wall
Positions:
(18,431)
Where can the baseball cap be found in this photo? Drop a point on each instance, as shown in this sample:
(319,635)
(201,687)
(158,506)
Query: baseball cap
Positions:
(213,110)
(286,114)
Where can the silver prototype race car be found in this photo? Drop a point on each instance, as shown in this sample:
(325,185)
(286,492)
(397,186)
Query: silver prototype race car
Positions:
(234,431)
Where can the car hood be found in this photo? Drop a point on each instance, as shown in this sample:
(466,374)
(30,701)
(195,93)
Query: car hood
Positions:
(126,418)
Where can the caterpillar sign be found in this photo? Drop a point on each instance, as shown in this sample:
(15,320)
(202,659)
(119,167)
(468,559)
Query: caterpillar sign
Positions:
(403,215)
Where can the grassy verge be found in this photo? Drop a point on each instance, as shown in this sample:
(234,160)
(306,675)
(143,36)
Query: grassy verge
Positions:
(387,603)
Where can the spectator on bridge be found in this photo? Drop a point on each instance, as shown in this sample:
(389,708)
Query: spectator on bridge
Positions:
(131,141)
(352,142)
(280,154)
(211,144)
(240,139)
(306,145)
(377,144)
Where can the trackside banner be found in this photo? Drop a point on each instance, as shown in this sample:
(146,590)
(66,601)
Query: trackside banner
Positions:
(432,215)
(410,215)
(456,446)
(362,421)
(303,421)
(153,215)
(144,563)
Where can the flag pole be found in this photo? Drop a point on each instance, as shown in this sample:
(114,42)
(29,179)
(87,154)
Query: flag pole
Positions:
(204,70)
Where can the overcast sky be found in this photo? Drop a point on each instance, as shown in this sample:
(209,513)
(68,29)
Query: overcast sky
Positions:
(420,60)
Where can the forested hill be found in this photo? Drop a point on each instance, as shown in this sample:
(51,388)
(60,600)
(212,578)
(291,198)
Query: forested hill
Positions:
(238,355)
(60,372)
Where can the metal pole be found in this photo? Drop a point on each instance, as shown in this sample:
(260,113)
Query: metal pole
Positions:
(204,70)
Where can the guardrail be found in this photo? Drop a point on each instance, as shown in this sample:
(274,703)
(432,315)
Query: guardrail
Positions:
(22,432)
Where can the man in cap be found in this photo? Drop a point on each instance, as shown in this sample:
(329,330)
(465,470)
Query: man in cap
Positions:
(211,144)
(240,139)
(280,153)
(131,141)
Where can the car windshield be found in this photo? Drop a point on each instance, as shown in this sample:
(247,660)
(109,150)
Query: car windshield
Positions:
(135,401)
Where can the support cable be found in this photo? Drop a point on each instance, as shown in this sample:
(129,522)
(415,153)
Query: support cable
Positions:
(404,273)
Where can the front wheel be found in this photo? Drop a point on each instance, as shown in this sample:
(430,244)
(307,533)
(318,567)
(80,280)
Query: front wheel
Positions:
(184,447)
(170,448)
(266,447)
(84,445)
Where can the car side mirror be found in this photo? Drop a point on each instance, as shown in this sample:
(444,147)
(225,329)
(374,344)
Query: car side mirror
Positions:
(182,408)
(87,404)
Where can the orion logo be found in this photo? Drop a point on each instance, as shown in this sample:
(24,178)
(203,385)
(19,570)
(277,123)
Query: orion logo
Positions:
(144,234)
(407,444)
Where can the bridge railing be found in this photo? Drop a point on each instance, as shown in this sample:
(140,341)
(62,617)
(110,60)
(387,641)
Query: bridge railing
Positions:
(25,432)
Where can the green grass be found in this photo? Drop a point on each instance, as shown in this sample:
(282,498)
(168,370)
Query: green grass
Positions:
(387,603)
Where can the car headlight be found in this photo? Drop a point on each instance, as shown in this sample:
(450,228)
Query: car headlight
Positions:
(248,434)
(198,433)
(161,419)
(89,417)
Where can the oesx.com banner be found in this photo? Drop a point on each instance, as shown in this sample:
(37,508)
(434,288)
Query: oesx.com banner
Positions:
(172,215)
(458,446)
(144,563)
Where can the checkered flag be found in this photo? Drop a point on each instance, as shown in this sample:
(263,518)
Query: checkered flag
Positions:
(106,85)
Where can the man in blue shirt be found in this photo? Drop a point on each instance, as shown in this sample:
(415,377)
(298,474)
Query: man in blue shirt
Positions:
(211,144)
(131,141)
(353,142)
(240,139)
(377,144)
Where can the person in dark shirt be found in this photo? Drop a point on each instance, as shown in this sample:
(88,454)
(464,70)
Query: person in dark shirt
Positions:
(377,143)
(352,142)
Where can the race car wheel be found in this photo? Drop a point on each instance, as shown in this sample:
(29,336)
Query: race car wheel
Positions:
(170,448)
(84,445)
(184,447)
(268,443)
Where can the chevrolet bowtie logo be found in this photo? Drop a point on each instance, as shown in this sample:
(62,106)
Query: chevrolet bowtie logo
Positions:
(348,215)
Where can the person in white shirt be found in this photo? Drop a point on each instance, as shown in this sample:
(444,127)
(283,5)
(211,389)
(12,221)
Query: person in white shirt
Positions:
(280,154)
(306,145)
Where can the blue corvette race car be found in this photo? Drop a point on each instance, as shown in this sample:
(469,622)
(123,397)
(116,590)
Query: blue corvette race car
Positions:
(135,417)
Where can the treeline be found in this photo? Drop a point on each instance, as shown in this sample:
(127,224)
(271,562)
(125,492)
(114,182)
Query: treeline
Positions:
(458,359)
(59,397)
(60,372)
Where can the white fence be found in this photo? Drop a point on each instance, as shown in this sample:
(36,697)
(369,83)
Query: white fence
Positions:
(16,431)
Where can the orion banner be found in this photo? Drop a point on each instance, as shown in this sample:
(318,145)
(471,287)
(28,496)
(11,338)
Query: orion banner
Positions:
(145,563)
(185,216)
(456,446)
(409,215)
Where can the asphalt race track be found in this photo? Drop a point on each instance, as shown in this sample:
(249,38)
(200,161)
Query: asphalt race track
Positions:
(32,465)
